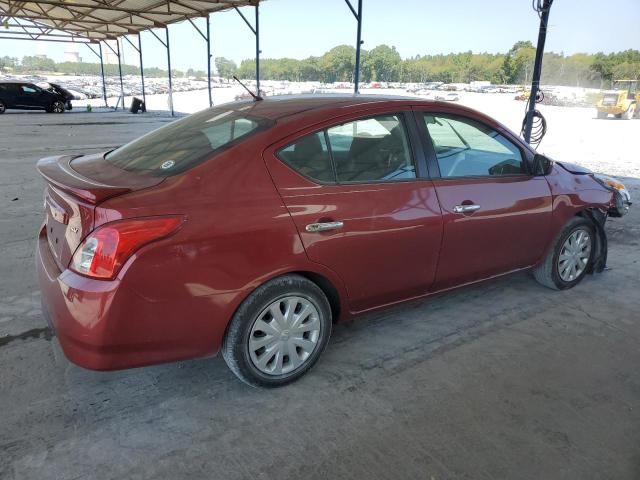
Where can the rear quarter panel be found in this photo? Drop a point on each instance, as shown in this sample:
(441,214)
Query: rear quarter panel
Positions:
(237,235)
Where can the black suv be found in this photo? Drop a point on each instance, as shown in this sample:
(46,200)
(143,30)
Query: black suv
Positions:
(27,96)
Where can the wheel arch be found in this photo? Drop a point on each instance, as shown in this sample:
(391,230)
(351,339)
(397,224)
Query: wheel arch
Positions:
(327,288)
(597,218)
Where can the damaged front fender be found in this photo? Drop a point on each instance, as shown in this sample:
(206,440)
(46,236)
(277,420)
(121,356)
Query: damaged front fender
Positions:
(598,218)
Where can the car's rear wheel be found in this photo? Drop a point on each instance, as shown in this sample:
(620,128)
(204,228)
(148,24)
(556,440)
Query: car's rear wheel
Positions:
(278,333)
(570,257)
(3,107)
(57,107)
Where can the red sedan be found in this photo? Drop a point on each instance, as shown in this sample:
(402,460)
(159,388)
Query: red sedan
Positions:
(254,226)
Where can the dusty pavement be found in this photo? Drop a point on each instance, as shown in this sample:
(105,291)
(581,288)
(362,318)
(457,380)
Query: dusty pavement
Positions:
(506,380)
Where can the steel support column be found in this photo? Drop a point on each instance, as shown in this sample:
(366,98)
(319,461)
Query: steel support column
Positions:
(166,45)
(256,32)
(120,73)
(144,95)
(166,29)
(99,55)
(139,50)
(209,60)
(537,68)
(207,38)
(358,17)
(104,85)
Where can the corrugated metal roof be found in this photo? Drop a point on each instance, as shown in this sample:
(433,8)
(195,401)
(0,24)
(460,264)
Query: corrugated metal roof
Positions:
(96,20)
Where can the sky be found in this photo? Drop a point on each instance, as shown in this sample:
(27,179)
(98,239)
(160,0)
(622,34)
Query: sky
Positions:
(301,28)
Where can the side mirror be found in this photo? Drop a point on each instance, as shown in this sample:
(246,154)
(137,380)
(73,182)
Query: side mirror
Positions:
(541,164)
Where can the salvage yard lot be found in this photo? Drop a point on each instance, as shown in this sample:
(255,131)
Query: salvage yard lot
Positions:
(501,380)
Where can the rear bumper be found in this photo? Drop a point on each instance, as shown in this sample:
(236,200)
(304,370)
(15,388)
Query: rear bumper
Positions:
(106,325)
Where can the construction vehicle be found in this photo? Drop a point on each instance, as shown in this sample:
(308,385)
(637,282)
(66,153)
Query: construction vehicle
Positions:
(622,102)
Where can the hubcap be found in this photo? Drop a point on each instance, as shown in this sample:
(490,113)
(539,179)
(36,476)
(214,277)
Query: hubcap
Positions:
(574,256)
(58,107)
(284,335)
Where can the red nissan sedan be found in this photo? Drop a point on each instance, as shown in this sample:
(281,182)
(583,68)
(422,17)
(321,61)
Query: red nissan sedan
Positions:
(252,227)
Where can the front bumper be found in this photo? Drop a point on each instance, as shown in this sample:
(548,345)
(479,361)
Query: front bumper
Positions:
(622,204)
(106,325)
(610,109)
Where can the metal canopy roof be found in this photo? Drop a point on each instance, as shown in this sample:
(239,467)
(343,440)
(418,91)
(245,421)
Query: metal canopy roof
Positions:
(90,21)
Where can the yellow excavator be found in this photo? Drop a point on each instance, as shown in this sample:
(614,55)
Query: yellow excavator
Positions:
(621,102)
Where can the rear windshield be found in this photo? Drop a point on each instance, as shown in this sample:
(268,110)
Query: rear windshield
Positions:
(181,145)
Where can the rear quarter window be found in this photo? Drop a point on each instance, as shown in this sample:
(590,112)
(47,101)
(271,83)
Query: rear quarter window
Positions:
(183,144)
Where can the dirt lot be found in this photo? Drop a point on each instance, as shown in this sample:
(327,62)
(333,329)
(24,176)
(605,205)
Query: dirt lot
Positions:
(499,381)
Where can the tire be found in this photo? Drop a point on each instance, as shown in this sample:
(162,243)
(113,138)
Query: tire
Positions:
(3,107)
(57,107)
(259,350)
(602,115)
(551,271)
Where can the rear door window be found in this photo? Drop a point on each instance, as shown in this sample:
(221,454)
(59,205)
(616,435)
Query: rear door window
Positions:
(185,143)
(368,150)
(371,150)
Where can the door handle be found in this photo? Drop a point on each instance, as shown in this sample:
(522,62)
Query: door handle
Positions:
(324,226)
(466,208)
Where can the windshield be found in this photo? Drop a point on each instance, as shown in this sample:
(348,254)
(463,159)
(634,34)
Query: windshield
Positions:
(183,144)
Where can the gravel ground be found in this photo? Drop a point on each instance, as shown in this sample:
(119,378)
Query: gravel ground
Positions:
(503,380)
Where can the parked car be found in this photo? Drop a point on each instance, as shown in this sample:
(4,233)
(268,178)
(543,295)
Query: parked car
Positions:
(250,228)
(28,96)
(448,97)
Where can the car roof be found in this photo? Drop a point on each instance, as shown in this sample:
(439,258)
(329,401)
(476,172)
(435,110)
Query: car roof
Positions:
(280,106)
(15,82)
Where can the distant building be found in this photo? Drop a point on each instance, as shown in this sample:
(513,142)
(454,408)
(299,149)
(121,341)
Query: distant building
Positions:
(71,56)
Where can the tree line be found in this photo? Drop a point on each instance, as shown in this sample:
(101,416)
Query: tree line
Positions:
(42,64)
(384,64)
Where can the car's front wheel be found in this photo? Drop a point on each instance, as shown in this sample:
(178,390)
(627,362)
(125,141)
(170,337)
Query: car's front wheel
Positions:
(3,107)
(570,257)
(279,332)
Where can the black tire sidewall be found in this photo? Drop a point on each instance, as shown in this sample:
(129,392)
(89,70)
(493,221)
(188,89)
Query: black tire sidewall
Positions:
(236,343)
(582,224)
(3,107)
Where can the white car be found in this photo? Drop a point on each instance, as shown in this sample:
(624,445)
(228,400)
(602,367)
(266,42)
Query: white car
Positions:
(448,97)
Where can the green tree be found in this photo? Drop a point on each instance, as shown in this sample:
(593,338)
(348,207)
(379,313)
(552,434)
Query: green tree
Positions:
(7,62)
(39,63)
(338,64)
(382,64)
(225,67)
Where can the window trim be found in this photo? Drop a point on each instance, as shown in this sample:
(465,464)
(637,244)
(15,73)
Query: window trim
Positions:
(405,118)
(430,151)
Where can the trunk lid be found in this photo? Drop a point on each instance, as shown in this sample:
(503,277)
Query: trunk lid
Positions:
(75,186)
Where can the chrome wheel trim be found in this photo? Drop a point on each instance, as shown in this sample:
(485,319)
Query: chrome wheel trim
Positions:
(574,255)
(284,335)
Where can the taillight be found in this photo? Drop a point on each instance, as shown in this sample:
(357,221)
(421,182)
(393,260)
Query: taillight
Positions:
(105,250)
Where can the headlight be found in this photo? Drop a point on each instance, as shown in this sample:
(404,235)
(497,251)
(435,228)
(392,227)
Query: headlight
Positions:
(622,196)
